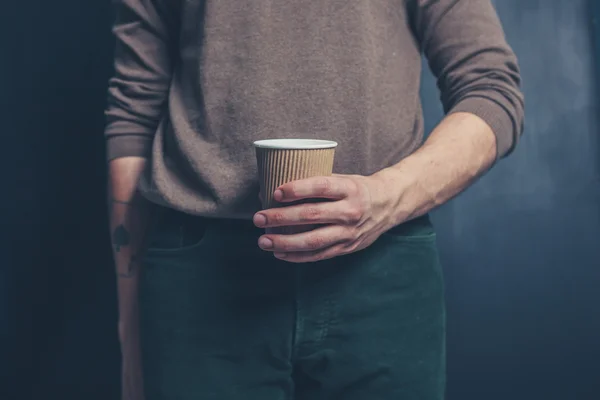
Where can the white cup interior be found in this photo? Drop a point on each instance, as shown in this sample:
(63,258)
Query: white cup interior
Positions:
(295,144)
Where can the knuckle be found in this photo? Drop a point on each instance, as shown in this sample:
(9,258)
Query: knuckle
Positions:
(277,218)
(346,250)
(351,244)
(310,214)
(353,234)
(352,187)
(323,185)
(352,247)
(292,189)
(282,246)
(354,215)
(315,242)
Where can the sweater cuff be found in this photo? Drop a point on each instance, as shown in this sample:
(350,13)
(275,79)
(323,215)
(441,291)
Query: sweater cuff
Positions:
(496,116)
(128,146)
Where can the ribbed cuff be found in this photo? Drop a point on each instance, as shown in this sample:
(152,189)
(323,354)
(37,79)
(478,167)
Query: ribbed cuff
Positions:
(119,146)
(496,116)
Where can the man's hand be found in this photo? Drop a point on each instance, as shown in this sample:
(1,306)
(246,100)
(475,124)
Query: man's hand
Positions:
(458,151)
(356,211)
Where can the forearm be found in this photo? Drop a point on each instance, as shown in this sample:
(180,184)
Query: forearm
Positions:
(129,221)
(459,150)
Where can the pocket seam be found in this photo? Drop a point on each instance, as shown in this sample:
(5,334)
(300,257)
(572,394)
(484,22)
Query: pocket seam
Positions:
(410,239)
(183,249)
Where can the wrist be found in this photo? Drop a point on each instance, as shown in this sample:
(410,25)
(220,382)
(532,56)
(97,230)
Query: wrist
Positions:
(395,185)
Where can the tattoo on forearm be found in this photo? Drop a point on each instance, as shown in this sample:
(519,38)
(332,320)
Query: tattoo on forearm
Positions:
(131,268)
(120,238)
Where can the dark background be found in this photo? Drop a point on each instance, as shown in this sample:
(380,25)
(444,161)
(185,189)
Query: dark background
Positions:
(521,249)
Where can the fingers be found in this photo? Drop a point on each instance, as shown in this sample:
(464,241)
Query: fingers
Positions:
(312,241)
(338,212)
(326,187)
(314,256)
(340,219)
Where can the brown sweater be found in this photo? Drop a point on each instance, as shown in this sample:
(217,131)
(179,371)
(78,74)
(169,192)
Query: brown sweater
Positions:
(197,81)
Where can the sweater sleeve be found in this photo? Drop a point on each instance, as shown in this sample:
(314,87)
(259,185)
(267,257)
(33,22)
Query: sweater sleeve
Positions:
(137,93)
(476,69)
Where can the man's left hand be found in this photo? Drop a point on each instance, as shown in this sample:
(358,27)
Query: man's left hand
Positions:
(357,212)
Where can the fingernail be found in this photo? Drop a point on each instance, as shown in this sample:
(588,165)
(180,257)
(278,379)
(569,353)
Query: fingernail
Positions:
(265,243)
(280,255)
(278,195)
(260,220)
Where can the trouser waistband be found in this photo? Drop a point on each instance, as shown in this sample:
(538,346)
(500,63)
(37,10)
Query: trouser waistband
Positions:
(416,227)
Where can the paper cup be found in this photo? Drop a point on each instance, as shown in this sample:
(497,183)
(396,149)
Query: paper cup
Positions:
(285,160)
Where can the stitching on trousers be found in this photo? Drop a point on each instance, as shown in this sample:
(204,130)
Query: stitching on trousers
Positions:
(328,315)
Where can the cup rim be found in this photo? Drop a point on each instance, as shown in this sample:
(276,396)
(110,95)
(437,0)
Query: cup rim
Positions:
(295,144)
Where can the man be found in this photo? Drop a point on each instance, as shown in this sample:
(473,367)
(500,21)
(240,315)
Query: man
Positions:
(352,309)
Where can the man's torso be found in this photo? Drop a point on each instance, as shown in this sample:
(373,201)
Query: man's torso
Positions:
(343,70)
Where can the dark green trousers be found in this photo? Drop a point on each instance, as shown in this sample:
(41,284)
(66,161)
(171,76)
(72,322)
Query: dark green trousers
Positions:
(222,319)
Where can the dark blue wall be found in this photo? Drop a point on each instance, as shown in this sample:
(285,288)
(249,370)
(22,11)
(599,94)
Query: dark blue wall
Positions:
(58,319)
(521,249)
